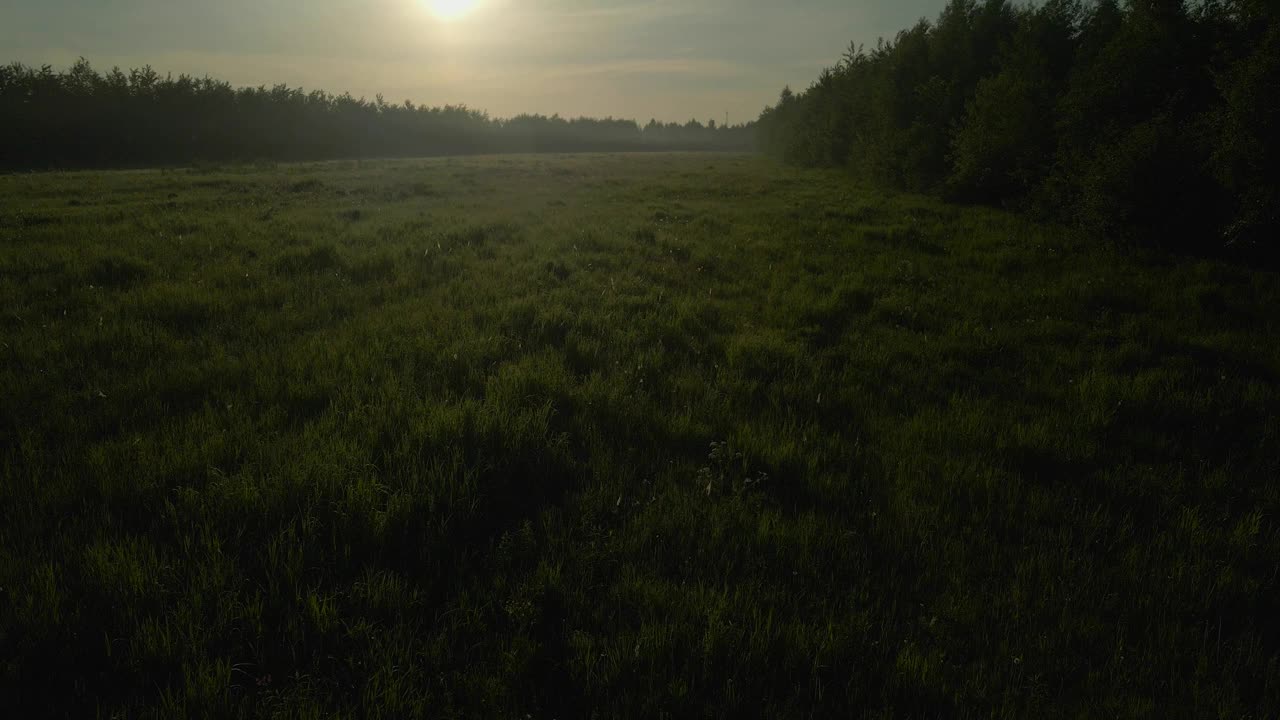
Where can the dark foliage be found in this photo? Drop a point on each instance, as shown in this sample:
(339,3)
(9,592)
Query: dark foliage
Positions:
(81,118)
(1149,122)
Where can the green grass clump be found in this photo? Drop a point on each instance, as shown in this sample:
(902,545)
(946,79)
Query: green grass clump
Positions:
(642,436)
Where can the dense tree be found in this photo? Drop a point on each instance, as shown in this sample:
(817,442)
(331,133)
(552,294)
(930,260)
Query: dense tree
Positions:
(79,118)
(1150,121)
(1245,157)
(1005,141)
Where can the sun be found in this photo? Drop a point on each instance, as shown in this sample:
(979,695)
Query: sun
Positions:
(451,9)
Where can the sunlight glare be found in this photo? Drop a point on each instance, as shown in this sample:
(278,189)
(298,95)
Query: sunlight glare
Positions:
(451,9)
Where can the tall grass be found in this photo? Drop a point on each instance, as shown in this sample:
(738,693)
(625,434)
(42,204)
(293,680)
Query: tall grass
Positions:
(677,435)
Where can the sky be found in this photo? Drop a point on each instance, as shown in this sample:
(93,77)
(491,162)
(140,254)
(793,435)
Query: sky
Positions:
(667,59)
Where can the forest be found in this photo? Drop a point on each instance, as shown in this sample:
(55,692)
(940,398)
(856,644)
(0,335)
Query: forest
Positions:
(1148,122)
(82,118)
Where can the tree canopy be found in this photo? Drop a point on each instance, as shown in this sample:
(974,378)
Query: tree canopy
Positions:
(82,118)
(1148,121)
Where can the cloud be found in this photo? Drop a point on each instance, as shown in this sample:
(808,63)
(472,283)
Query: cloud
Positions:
(709,69)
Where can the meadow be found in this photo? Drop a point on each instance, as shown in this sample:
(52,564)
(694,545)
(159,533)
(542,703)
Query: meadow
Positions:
(659,435)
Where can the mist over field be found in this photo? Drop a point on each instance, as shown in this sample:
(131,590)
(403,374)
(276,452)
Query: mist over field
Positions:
(465,358)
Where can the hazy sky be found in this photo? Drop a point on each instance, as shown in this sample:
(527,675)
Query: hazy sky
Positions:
(670,59)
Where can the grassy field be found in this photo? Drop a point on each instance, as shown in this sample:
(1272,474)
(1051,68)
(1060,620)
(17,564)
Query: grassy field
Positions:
(621,436)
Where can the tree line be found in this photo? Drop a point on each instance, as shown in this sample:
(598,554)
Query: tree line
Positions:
(1147,121)
(80,117)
